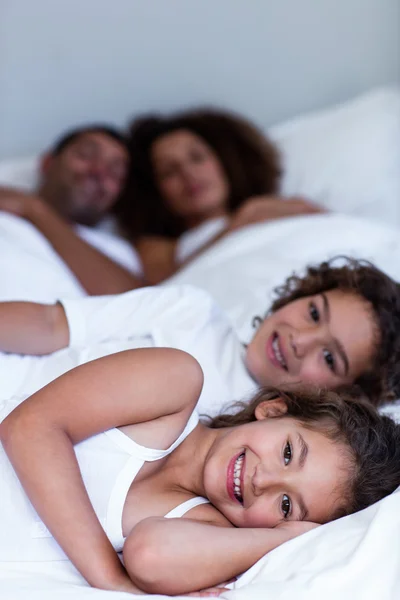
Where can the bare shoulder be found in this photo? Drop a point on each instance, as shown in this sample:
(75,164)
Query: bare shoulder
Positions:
(185,372)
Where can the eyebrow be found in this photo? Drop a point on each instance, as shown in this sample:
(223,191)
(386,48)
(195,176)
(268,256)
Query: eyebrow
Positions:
(303,510)
(339,347)
(302,459)
(303,450)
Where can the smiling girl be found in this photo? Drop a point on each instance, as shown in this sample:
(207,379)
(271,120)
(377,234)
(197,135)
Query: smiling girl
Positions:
(111,454)
(336,325)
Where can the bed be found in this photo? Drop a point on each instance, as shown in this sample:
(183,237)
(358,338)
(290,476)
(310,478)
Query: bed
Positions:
(348,159)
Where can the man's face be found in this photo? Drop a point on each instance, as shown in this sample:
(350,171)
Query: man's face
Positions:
(84,181)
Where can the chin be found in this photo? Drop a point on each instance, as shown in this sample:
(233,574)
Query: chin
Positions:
(86,218)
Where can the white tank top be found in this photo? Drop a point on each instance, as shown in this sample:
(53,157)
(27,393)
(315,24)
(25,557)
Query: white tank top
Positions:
(109,463)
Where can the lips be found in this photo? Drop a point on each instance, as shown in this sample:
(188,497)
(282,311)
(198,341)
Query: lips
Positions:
(196,189)
(235,475)
(275,352)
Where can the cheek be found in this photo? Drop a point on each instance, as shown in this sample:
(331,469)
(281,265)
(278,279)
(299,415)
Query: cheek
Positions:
(170,189)
(312,371)
(112,186)
(217,175)
(76,166)
(262,514)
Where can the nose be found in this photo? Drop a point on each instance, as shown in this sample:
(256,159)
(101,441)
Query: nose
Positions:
(304,340)
(187,171)
(98,169)
(266,479)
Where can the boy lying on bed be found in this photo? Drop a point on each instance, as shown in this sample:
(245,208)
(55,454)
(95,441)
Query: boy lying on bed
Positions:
(111,454)
(337,325)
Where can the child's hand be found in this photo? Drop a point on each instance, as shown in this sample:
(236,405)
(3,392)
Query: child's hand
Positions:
(211,592)
(216,590)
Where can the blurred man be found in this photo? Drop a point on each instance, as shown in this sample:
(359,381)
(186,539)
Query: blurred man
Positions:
(80,181)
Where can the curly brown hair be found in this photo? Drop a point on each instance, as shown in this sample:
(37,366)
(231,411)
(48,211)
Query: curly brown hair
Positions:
(371,442)
(251,163)
(382,294)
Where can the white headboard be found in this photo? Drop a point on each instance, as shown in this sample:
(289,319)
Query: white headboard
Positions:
(69,62)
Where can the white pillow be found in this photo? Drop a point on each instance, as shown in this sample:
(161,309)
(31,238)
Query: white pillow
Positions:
(347,158)
(21,173)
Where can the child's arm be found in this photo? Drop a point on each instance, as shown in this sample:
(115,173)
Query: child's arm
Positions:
(194,555)
(31,328)
(130,387)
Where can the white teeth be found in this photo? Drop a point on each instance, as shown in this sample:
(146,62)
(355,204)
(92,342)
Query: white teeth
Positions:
(277,352)
(237,471)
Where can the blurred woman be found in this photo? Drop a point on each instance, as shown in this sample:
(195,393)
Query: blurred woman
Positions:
(195,177)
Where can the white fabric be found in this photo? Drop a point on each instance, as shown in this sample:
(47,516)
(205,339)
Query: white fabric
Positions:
(105,237)
(347,158)
(20,172)
(175,317)
(30,269)
(109,463)
(197,237)
(182,509)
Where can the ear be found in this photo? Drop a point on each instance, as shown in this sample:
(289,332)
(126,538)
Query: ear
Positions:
(270,409)
(45,163)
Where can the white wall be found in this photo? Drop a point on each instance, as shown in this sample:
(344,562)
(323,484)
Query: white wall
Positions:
(64,62)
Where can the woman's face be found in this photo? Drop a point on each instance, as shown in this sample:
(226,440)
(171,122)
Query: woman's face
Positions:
(328,339)
(189,176)
(272,470)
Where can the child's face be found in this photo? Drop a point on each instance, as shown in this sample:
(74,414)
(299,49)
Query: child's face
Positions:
(327,339)
(262,473)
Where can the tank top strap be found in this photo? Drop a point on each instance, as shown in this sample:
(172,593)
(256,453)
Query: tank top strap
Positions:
(150,454)
(182,509)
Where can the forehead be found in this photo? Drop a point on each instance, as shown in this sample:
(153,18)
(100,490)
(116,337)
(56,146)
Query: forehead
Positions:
(101,141)
(352,319)
(180,139)
(325,475)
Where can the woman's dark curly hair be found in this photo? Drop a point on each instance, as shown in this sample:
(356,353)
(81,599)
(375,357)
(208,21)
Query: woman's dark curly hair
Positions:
(382,382)
(370,442)
(251,163)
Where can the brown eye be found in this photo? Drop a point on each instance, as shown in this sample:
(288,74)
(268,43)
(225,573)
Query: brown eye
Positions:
(286,506)
(314,312)
(287,453)
(198,156)
(329,359)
